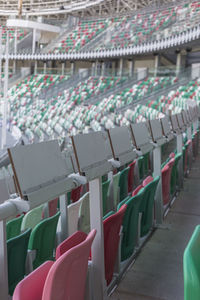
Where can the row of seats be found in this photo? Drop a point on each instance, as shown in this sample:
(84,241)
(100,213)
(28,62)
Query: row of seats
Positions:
(50,117)
(131,30)
(21,33)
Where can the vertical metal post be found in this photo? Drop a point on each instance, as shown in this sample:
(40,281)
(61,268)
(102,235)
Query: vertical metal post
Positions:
(158,196)
(64,217)
(62,68)
(178,63)
(103,68)
(3,262)
(121,64)
(35,70)
(72,67)
(5,104)
(34,40)
(45,67)
(157,57)
(96,216)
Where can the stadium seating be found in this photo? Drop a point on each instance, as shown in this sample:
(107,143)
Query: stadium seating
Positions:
(62,275)
(17,252)
(13,227)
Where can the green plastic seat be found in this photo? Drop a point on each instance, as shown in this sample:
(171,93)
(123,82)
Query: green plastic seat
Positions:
(174,174)
(141,166)
(32,218)
(123,184)
(42,240)
(146,207)
(115,184)
(13,227)
(17,252)
(191,267)
(105,187)
(130,224)
(84,214)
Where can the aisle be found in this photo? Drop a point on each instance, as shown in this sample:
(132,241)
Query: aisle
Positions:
(157,273)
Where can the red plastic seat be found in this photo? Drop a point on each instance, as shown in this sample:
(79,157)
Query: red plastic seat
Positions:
(166,178)
(135,192)
(147,181)
(76,193)
(112,227)
(61,280)
(131,176)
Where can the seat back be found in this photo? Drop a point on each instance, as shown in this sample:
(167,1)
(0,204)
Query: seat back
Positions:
(146,207)
(76,193)
(131,176)
(112,227)
(17,251)
(105,187)
(67,277)
(130,224)
(116,189)
(73,215)
(53,205)
(123,184)
(32,218)
(191,267)
(73,240)
(174,174)
(84,214)
(13,227)
(42,239)
(166,178)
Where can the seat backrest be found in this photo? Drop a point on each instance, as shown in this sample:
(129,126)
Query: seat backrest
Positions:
(174,173)
(53,205)
(165,184)
(112,227)
(67,277)
(123,184)
(32,218)
(17,251)
(116,189)
(84,214)
(147,206)
(137,189)
(33,282)
(105,187)
(131,176)
(76,193)
(147,181)
(191,267)
(42,239)
(130,224)
(73,215)
(73,240)
(13,227)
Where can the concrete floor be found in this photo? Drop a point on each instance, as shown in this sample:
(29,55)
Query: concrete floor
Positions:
(157,273)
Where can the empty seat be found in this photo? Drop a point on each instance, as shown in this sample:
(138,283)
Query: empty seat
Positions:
(17,252)
(84,214)
(131,176)
(73,216)
(166,178)
(105,187)
(13,227)
(42,239)
(147,204)
(123,184)
(32,218)
(174,174)
(61,280)
(191,267)
(112,226)
(130,224)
